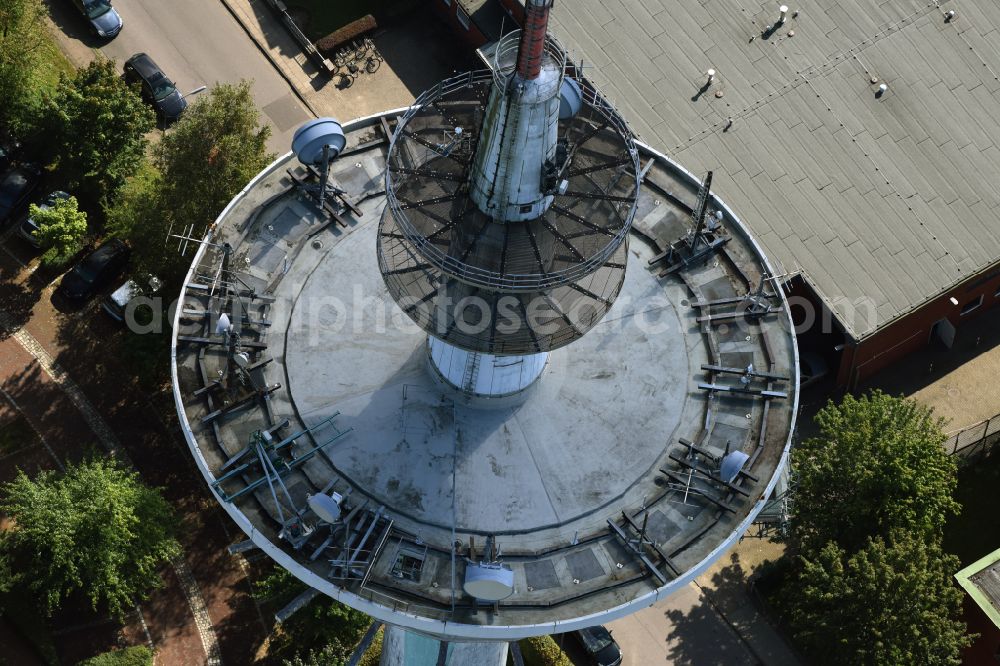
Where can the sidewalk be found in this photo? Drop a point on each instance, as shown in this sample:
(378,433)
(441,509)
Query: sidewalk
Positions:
(712,621)
(958,383)
(415,59)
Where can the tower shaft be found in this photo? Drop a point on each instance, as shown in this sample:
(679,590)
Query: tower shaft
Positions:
(532,44)
(518,141)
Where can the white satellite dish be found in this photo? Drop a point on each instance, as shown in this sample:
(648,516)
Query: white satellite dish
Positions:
(224,325)
(325,506)
(489,582)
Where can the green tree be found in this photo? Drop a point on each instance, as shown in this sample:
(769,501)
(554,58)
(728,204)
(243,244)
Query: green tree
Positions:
(543,651)
(61,228)
(216,148)
(95,528)
(137,655)
(892,602)
(877,464)
(22,38)
(324,630)
(97,126)
(138,216)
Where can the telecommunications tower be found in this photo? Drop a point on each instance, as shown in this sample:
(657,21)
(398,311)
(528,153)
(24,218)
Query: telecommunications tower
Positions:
(392,409)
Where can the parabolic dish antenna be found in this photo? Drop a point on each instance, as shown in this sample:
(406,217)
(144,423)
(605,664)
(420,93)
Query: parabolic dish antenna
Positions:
(489,582)
(326,507)
(309,140)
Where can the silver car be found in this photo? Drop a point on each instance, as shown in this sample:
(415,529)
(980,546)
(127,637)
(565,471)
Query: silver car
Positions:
(116,302)
(104,20)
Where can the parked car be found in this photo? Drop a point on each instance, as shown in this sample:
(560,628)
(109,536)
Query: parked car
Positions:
(8,151)
(116,302)
(29,227)
(105,21)
(156,88)
(96,270)
(17,185)
(598,643)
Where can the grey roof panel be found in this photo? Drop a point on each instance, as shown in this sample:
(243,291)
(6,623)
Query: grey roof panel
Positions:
(891,197)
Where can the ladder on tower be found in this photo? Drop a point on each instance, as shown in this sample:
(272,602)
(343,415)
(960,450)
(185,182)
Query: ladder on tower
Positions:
(471,373)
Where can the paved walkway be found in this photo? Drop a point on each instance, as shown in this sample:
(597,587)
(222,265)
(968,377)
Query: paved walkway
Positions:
(205,591)
(713,621)
(958,383)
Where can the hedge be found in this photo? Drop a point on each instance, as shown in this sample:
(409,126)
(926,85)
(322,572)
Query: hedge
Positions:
(543,651)
(362,26)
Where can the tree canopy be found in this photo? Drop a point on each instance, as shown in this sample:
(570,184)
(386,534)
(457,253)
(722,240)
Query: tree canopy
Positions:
(324,631)
(95,529)
(218,146)
(891,602)
(877,464)
(211,154)
(869,583)
(97,126)
(22,37)
(61,227)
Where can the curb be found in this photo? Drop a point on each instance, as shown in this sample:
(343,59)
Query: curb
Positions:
(267,54)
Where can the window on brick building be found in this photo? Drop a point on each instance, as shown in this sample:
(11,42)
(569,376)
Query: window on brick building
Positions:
(972,305)
(463,17)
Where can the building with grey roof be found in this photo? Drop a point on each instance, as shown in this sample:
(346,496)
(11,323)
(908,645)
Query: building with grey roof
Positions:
(879,207)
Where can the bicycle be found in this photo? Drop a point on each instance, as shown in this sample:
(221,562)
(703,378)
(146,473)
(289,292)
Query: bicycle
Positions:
(345,79)
(373,61)
(346,54)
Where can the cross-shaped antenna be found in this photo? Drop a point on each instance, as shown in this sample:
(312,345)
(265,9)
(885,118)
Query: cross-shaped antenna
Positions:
(186,237)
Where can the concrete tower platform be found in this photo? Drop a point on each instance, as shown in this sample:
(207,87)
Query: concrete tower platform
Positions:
(599,488)
(575,441)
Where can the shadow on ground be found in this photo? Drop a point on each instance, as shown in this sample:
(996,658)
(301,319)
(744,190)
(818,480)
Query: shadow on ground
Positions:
(973,533)
(420,48)
(16,302)
(935,361)
(705,634)
(72,23)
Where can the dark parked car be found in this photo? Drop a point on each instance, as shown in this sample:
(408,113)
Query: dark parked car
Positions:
(104,19)
(598,643)
(156,88)
(29,227)
(96,270)
(8,151)
(16,187)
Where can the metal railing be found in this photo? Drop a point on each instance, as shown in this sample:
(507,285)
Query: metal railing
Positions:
(505,57)
(311,51)
(974,440)
(493,279)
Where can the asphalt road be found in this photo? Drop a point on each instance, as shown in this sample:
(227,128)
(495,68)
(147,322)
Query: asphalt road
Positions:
(195,42)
